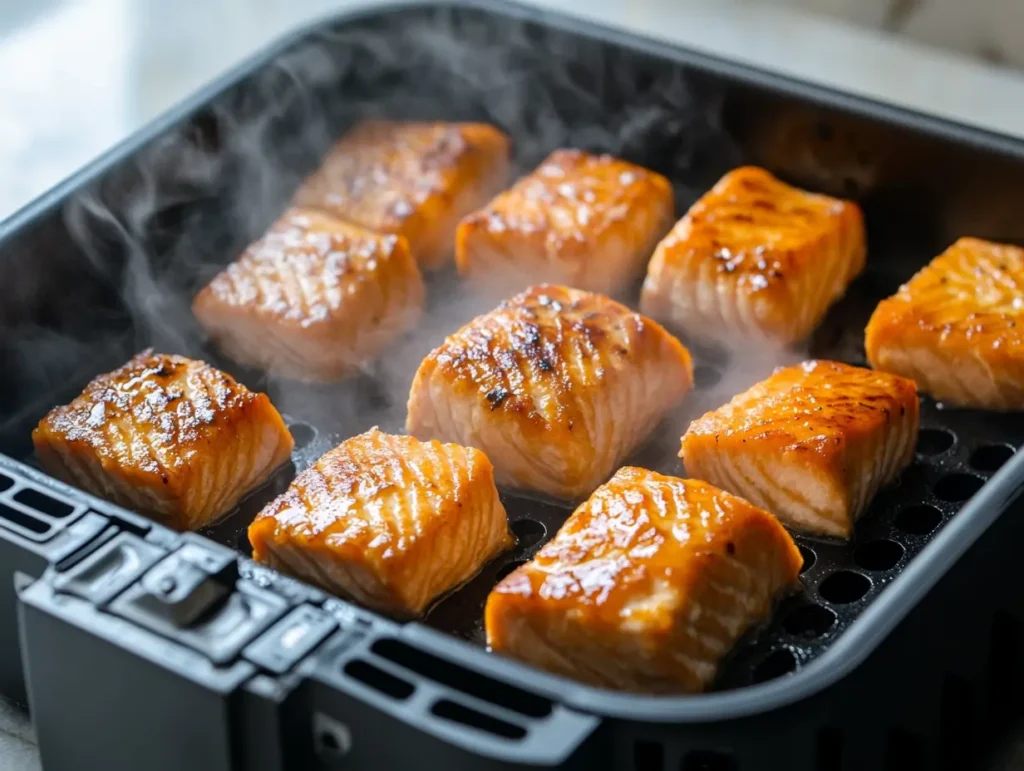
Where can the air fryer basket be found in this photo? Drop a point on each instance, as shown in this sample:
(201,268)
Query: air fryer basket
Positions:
(108,264)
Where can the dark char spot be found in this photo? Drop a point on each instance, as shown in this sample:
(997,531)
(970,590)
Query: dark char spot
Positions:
(496,397)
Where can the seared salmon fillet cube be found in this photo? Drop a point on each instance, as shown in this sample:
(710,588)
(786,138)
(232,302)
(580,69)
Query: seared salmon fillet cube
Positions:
(313,299)
(587,221)
(812,444)
(167,436)
(388,521)
(755,260)
(556,385)
(411,179)
(957,327)
(646,587)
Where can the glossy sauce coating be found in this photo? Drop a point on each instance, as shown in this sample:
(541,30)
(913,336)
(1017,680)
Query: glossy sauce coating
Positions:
(646,586)
(812,443)
(170,436)
(584,220)
(386,520)
(314,298)
(957,327)
(412,179)
(556,385)
(755,259)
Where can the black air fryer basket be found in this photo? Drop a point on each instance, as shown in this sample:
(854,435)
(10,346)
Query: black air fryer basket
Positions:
(141,648)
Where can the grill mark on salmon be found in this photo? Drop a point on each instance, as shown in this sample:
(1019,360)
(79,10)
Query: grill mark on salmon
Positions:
(646,587)
(412,179)
(314,299)
(556,385)
(813,443)
(755,259)
(583,220)
(167,436)
(388,521)
(957,327)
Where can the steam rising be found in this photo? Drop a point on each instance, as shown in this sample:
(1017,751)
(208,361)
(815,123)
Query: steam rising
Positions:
(157,228)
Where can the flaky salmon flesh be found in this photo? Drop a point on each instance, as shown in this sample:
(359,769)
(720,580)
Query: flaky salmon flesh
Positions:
(957,327)
(165,436)
(388,521)
(754,260)
(556,385)
(586,221)
(812,444)
(411,179)
(646,587)
(314,299)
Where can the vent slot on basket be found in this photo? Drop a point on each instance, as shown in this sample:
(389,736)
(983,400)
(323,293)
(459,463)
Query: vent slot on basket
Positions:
(903,752)
(1003,669)
(648,756)
(376,678)
(828,750)
(6,483)
(706,760)
(464,680)
(23,520)
(458,713)
(43,503)
(956,729)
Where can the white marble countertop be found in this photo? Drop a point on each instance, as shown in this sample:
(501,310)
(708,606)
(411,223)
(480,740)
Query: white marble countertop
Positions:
(82,75)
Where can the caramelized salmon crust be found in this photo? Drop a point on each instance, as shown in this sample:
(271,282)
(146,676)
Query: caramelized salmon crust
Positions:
(957,327)
(646,587)
(411,179)
(314,299)
(587,221)
(556,385)
(166,436)
(388,521)
(755,259)
(812,444)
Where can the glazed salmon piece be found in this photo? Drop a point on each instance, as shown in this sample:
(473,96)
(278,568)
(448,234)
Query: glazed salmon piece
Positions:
(167,436)
(812,444)
(556,385)
(411,179)
(755,260)
(646,587)
(957,327)
(388,521)
(587,221)
(314,299)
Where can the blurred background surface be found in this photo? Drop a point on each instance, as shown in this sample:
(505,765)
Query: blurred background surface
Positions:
(81,74)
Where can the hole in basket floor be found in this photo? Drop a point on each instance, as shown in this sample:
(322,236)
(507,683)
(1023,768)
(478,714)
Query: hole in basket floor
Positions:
(844,587)
(809,558)
(705,376)
(302,433)
(878,555)
(918,520)
(775,664)
(506,569)
(528,531)
(809,621)
(991,457)
(954,488)
(932,441)
(6,483)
